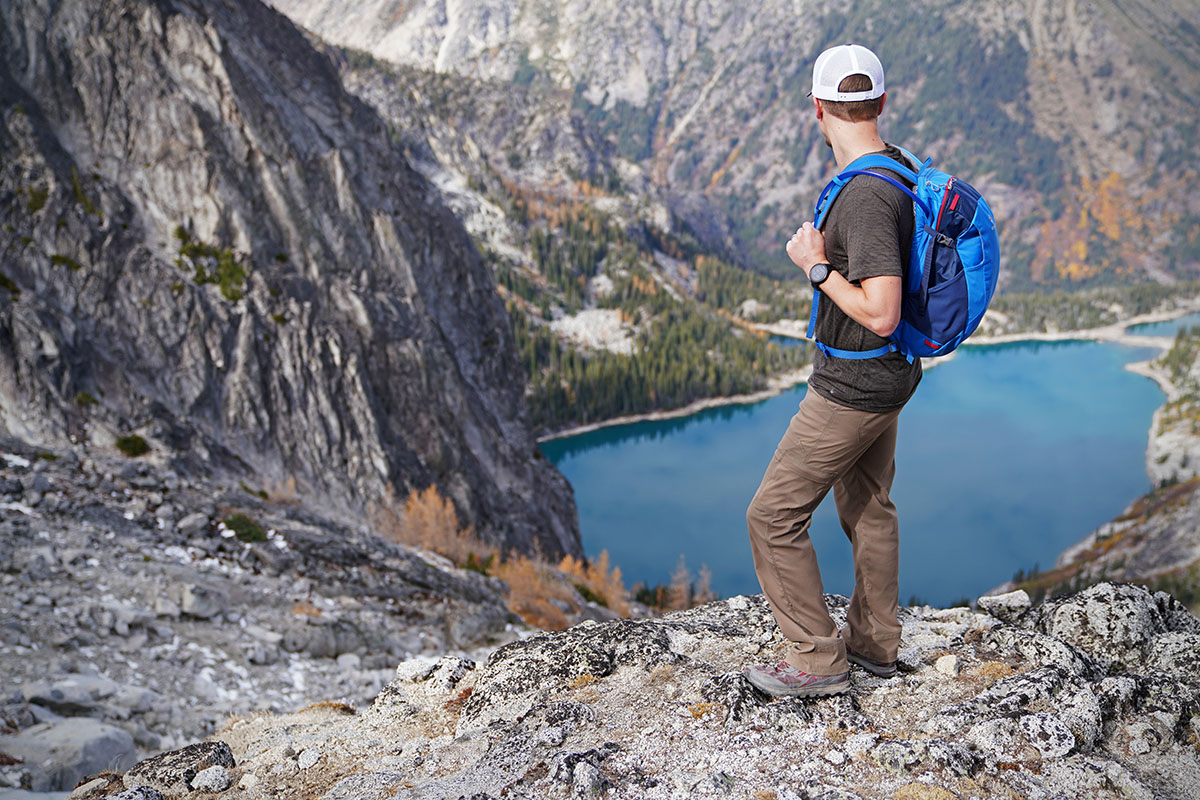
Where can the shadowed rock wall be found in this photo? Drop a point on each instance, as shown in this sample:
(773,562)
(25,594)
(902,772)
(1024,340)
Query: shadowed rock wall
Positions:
(320,314)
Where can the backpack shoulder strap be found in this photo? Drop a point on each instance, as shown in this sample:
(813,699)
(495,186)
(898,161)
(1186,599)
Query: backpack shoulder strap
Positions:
(866,165)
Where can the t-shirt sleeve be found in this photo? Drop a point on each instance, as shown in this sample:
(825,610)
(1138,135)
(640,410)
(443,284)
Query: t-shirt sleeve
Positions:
(871,230)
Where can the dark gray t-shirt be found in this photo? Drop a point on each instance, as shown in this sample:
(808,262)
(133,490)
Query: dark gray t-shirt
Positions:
(868,233)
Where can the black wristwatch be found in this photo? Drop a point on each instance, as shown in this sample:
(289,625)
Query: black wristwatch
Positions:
(817,274)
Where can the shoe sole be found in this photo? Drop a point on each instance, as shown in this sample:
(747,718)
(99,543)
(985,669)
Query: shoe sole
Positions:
(871,666)
(781,689)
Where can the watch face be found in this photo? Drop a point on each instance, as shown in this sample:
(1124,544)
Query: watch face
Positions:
(818,273)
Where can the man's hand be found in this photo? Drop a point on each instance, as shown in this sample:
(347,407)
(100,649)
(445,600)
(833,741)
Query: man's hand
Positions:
(806,247)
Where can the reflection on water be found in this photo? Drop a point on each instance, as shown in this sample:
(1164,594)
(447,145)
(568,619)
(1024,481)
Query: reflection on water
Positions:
(618,435)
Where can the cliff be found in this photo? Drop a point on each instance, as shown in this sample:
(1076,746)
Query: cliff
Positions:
(208,243)
(1089,696)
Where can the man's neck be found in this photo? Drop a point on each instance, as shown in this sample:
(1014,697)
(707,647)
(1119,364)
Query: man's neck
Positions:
(854,141)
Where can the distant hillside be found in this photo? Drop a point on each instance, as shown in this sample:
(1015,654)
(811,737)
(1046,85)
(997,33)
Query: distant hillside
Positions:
(1077,119)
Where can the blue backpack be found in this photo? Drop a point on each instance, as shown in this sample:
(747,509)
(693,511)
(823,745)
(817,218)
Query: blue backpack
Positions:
(953,266)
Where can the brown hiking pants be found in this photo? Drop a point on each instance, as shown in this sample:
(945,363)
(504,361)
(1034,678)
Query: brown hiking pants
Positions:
(830,446)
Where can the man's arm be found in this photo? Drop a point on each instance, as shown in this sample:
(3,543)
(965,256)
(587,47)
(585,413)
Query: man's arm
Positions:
(874,303)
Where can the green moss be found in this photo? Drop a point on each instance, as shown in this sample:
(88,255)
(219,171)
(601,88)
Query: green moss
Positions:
(81,197)
(259,493)
(280,319)
(132,445)
(211,264)
(66,261)
(245,528)
(85,399)
(37,198)
(176,288)
(7,284)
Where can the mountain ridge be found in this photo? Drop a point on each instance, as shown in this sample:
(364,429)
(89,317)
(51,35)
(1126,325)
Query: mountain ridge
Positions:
(710,99)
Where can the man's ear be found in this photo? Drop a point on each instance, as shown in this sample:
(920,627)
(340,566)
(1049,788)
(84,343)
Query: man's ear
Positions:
(882,101)
(820,111)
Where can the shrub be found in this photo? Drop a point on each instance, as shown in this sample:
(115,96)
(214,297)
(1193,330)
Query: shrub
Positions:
(66,261)
(37,198)
(429,521)
(85,399)
(536,592)
(211,264)
(81,196)
(245,528)
(597,582)
(7,284)
(132,445)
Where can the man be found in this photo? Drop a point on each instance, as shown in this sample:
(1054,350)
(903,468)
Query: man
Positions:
(844,435)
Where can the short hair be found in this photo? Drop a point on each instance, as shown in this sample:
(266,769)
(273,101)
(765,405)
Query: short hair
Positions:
(855,110)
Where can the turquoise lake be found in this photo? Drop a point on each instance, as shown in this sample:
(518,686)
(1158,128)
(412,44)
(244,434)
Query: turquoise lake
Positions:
(1007,455)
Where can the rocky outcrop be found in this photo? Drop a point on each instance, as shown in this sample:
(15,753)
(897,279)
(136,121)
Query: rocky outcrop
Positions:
(208,243)
(137,614)
(1089,696)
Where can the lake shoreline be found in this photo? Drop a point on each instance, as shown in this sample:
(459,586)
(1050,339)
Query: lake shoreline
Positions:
(1116,332)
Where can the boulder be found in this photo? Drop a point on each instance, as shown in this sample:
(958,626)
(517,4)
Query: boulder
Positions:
(73,694)
(200,601)
(172,773)
(1008,606)
(58,754)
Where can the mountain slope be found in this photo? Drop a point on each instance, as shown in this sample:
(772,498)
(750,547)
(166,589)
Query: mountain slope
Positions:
(1073,117)
(613,311)
(208,242)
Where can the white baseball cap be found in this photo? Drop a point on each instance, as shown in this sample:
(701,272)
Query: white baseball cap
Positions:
(838,62)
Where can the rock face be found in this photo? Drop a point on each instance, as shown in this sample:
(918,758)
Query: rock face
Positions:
(710,99)
(210,244)
(1091,696)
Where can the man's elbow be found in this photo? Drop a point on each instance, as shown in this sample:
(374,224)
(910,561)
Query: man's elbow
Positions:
(885,324)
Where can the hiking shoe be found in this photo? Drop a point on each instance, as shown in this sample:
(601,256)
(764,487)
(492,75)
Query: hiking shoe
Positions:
(784,680)
(884,669)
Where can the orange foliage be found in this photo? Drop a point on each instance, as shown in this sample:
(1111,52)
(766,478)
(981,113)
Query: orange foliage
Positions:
(719,175)
(646,286)
(538,592)
(679,592)
(429,520)
(1105,228)
(600,578)
(535,592)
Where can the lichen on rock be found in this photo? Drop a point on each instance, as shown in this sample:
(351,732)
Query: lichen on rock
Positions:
(658,708)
